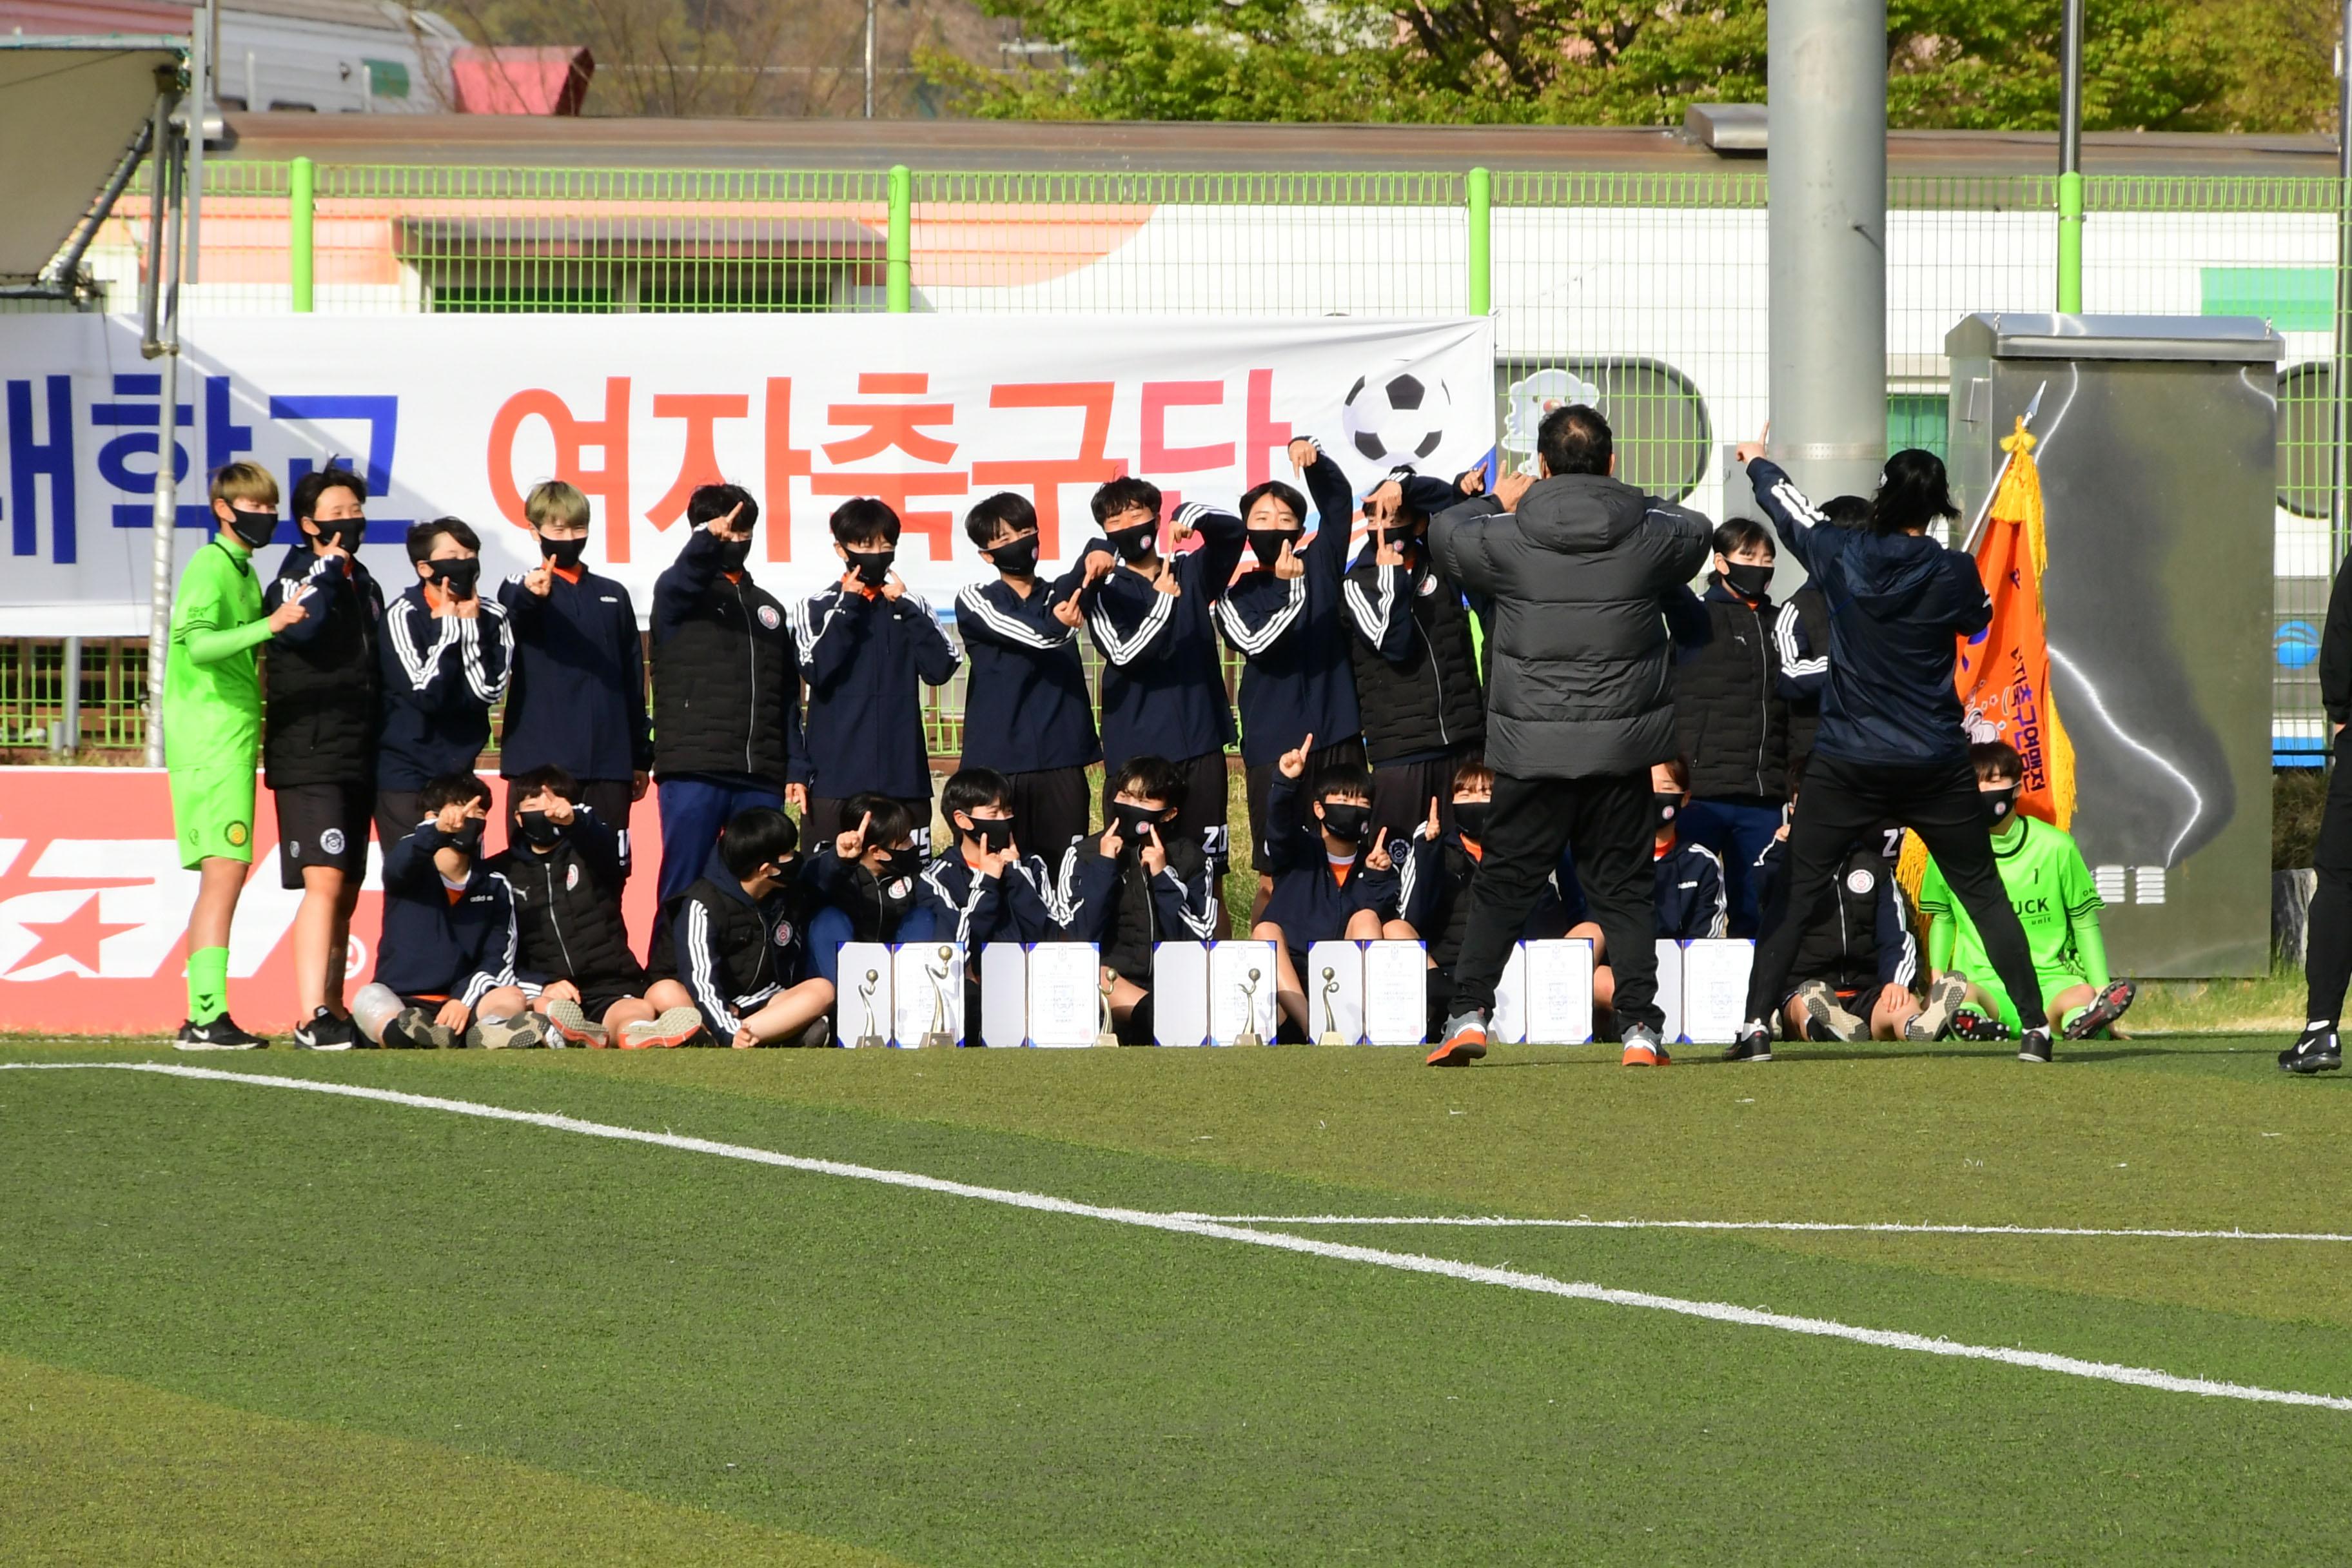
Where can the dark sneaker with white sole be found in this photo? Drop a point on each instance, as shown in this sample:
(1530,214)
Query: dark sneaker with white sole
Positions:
(1754,1045)
(1825,1018)
(322,1031)
(1944,995)
(2033,1045)
(221,1035)
(415,1030)
(2110,1005)
(2317,1050)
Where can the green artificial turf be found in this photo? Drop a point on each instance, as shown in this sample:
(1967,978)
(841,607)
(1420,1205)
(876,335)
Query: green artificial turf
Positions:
(253,1325)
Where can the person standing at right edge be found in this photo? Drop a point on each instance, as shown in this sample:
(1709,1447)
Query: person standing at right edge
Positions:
(1890,747)
(2328,955)
(1578,707)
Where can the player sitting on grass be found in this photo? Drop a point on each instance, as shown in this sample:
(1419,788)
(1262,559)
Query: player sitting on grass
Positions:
(1138,884)
(2052,891)
(866,882)
(1434,883)
(731,952)
(566,867)
(446,954)
(1326,885)
(984,889)
(1691,901)
(1857,951)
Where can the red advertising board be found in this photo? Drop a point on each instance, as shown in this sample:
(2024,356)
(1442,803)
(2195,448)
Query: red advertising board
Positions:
(94,907)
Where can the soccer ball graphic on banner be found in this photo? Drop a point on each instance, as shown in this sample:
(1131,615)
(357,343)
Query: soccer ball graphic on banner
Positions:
(1396,416)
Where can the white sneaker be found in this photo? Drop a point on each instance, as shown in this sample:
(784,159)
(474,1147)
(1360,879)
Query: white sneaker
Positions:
(567,1025)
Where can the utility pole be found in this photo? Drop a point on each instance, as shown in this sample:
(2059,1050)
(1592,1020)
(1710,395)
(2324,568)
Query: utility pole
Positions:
(1827,159)
(2070,161)
(869,59)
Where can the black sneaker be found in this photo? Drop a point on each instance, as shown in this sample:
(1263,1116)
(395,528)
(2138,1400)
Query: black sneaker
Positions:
(221,1035)
(2033,1045)
(322,1031)
(2317,1050)
(415,1030)
(1980,1028)
(2110,1005)
(1754,1045)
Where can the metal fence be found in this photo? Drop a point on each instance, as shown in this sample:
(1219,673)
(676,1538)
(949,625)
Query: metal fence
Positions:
(1646,290)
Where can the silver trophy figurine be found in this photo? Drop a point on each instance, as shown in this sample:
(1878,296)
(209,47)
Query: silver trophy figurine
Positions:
(1109,1034)
(1249,1035)
(1330,1035)
(870,1039)
(938,1033)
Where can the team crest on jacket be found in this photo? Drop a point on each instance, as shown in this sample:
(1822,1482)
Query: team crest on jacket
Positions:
(901,889)
(330,842)
(769,618)
(784,933)
(1861,880)
(1428,585)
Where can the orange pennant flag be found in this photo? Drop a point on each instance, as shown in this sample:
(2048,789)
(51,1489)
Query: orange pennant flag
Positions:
(2004,670)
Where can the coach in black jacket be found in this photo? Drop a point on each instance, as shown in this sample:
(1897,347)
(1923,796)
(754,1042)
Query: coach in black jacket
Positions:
(1578,706)
(727,688)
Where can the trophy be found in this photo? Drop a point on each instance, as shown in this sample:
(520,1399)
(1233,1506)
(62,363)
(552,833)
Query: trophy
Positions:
(1330,1035)
(1109,1034)
(938,1034)
(871,1039)
(1249,1035)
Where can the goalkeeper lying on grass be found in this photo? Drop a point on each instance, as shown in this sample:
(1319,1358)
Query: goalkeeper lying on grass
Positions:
(2051,889)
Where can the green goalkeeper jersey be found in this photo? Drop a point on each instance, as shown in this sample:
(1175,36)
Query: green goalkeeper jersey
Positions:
(2049,887)
(211,710)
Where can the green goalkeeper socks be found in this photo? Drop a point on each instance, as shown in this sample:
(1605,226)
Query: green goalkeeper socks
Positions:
(207,985)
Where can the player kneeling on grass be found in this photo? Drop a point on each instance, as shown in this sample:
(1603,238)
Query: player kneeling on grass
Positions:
(2056,902)
(1139,883)
(1856,953)
(732,952)
(444,965)
(565,867)
(1326,885)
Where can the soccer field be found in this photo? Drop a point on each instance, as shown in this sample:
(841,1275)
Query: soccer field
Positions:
(836,1308)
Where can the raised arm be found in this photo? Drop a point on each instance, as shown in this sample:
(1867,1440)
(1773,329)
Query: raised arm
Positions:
(680,588)
(281,590)
(1804,670)
(1224,537)
(488,651)
(826,632)
(1458,538)
(1131,621)
(936,658)
(1794,518)
(982,621)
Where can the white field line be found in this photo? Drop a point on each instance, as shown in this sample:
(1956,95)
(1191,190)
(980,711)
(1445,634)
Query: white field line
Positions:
(1513,1222)
(1408,1262)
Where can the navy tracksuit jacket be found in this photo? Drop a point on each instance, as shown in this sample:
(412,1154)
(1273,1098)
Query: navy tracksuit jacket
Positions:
(432,945)
(1312,901)
(866,658)
(1164,687)
(440,677)
(1025,707)
(1691,902)
(1015,905)
(576,696)
(1298,679)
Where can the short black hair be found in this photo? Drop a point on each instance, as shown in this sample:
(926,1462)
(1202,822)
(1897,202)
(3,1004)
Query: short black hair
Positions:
(1008,510)
(1575,440)
(451,789)
(1914,493)
(756,836)
(862,520)
(421,536)
(547,776)
(1122,493)
(892,820)
(1151,778)
(969,789)
(1734,534)
(1348,777)
(708,503)
(1286,494)
(1847,511)
(318,482)
(1473,773)
(1996,760)
(1678,770)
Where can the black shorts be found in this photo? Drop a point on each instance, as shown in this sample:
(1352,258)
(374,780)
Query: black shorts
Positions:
(822,823)
(1205,812)
(1401,793)
(1256,782)
(1049,809)
(323,824)
(610,799)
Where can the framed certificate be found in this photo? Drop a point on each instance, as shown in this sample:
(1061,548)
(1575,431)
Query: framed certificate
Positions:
(1180,993)
(1508,1026)
(1670,990)
(1003,995)
(1715,988)
(1065,1000)
(1559,992)
(1396,993)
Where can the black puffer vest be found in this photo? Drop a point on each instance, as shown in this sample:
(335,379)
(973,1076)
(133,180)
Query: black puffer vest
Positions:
(726,676)
(568,921)
(1429,699)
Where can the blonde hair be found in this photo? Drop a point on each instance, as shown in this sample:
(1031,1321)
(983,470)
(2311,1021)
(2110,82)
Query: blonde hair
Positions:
(552,500)
(244,481)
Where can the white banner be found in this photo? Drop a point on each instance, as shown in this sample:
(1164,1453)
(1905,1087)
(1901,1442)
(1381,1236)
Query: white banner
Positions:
(461,415)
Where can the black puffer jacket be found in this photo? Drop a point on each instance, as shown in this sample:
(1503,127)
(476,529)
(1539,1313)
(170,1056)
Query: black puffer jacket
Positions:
(1730,719)
(727,678)
(1577,667)
(319,726)
(568,907)
(1416,665)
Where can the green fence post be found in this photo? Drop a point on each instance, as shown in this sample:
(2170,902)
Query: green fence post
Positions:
(1482,224)
(2070,244)
(300,198)
(898,253)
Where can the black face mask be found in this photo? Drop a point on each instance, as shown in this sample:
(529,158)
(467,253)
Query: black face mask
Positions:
(253,528)
(1016,557)
(904,864)
(990,833)
(1131,821)
(1667,807)
(1268,543)
(1997,804)
(1349,822)
(733,553)
(1470,817)
(1749,582)
(468,839)
(344,533)
(563,552)
(872,566)
(1136,543)
(540,829)
(1396,537)
(457,575)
